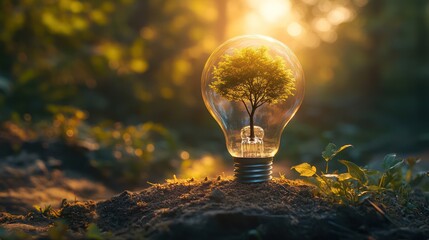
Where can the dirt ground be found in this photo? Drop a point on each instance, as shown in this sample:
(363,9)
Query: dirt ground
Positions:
(40,199)
(26,181)
(223,209)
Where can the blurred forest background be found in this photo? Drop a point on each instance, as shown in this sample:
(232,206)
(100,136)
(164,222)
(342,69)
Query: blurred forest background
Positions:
(111,89)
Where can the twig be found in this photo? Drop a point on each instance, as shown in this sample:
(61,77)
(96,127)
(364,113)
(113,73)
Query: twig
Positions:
(384,214)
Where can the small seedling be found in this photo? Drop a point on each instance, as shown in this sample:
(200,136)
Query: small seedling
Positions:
(47,211)
(359,184)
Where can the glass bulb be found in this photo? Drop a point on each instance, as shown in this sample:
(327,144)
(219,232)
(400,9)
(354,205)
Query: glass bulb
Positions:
(252,85)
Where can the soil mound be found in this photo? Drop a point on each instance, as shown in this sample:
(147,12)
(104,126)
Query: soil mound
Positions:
(226,209)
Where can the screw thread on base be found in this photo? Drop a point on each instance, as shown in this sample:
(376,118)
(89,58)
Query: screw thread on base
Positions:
(253,170)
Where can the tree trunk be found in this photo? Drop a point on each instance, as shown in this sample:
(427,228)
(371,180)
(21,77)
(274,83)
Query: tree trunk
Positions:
(252,128)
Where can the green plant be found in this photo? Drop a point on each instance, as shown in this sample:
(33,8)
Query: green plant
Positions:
(330,152)
(67,124)
(47,211)
(129,153)
(358,184)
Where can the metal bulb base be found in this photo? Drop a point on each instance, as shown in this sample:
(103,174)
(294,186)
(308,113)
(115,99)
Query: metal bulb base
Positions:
(253,170)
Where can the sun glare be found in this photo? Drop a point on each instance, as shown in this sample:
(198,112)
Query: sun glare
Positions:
(271,10)
(274,10)
(289,21)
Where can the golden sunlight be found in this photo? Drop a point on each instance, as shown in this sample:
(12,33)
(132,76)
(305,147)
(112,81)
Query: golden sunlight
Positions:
(322,25)
(272,10)
(264,16)
(294,29)
(339,15)
(288,21)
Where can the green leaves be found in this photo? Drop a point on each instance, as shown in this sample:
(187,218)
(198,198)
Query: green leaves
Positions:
(252,75)
(359,184)
(344,176)
(305,169)
(355,171)
(343,187)
(390,161)
(332,150)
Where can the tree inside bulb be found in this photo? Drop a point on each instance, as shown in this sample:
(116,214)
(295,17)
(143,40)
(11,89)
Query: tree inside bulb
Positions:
(252,85)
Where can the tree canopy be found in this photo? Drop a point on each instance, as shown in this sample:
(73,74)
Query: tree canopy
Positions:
(254,77)
(252,74)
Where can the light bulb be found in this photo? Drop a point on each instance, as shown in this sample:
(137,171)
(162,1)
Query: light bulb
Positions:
(252,85)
